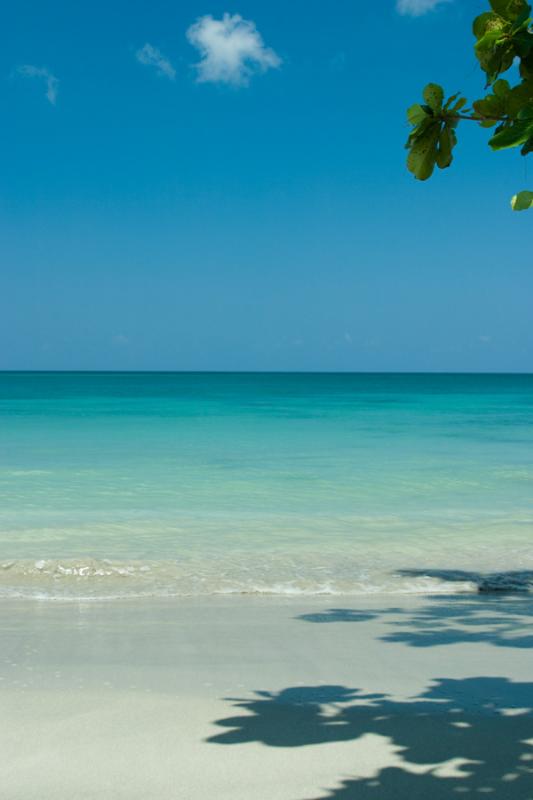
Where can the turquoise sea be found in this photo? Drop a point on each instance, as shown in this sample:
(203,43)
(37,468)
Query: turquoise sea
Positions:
(142,484)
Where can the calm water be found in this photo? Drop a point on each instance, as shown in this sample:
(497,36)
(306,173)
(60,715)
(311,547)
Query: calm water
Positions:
(140,484)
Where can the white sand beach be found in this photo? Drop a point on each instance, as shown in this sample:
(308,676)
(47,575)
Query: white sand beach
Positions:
(268,698)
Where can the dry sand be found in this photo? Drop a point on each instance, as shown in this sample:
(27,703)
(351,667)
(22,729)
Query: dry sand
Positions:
(267,699)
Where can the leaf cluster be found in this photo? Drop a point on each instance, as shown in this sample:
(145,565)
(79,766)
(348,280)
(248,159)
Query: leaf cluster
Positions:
(433,137)
(504,36)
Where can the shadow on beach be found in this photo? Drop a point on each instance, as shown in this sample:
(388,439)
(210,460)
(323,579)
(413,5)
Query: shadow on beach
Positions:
(502,617)
(490,582)
(460,737)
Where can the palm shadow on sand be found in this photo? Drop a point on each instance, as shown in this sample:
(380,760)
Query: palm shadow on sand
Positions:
(460,737)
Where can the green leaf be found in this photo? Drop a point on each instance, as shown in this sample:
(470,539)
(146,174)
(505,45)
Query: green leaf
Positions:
(495,53)
(526,68)
(434,95)
(527,148)
(487,43)
(512,135)
(501,60)
(518,97)
(522,21)
(526,111)
(509,9)
(522,201)
(489,106)
(499,7)
(523,43)
(447,141)
(485,22)
(501,88)
(459,105)
(420,130)
(423,154)
(416,114)
(450,100)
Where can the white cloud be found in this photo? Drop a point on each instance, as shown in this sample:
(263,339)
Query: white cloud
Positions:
(232,50)
(50,80)
(153,57)
(416,8)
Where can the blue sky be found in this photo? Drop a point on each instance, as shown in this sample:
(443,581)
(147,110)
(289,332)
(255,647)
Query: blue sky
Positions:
(172,200)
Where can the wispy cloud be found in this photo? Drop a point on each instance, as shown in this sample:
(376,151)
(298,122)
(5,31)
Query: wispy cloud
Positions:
(120,340)
(232,50)
(338,62)
(50,81)
(153,57)
(416,8)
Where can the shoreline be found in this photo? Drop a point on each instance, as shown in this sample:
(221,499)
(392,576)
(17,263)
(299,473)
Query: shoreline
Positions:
(106,580)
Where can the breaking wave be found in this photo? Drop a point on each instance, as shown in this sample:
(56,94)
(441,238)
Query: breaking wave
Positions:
(104,579)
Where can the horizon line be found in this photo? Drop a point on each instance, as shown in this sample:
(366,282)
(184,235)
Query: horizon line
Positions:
(251,372)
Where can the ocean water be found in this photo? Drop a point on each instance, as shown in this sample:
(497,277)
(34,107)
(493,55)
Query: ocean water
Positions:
(143,484)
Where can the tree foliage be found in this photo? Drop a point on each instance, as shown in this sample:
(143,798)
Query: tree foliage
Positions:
(504,37)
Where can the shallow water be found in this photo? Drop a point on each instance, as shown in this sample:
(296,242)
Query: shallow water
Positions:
(115,484)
